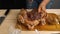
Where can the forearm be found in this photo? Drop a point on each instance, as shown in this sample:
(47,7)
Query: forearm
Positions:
(45,2)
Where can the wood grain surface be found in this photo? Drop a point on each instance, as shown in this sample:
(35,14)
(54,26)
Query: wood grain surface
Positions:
(10,20)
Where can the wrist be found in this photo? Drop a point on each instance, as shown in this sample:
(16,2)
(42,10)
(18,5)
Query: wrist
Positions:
(45,2)
(42,5)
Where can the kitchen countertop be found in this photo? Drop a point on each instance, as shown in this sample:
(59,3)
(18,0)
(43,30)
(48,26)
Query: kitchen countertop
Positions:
(10,20)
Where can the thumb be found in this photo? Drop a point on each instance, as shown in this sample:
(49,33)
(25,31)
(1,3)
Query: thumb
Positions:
(44,8)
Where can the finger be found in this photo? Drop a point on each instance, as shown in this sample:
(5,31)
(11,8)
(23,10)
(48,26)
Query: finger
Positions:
(39,9)
(43,8)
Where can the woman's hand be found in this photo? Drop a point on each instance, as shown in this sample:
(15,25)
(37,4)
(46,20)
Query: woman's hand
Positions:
(42,6)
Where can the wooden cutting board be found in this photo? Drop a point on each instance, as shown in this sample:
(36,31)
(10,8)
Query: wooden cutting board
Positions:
(2,11)
(10,20)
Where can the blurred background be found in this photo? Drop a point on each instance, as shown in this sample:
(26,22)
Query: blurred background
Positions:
(54,4)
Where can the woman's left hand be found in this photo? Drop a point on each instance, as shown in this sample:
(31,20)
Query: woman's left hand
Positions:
(42,7)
